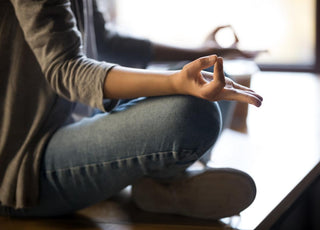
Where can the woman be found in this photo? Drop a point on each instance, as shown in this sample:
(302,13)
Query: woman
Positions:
(52,165)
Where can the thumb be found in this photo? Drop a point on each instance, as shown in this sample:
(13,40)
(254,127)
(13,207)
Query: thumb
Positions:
(218,73)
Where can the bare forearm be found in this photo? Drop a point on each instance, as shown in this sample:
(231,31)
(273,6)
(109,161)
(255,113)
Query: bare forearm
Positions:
(123,82)
(164,52)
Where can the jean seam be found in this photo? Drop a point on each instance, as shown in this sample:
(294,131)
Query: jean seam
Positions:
(117,160)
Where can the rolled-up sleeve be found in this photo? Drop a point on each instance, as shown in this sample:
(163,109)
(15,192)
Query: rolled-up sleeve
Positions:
(50,30)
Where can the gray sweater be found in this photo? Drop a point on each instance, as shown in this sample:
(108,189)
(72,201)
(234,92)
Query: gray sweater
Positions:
(45,69)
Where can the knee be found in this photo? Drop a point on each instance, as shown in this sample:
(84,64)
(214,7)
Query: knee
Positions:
(195,122)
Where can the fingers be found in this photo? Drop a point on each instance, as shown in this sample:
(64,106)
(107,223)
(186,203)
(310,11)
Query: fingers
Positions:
(246,89)
(243,96)
(219,82)
(251,98)
(202,63)
(218,74)
(236,38)
(213,34)
(256,95)
(216,30)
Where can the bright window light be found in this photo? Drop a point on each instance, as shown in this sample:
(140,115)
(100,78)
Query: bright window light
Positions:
(285,27)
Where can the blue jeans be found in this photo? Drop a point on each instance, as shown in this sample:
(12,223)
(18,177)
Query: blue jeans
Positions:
(92,160)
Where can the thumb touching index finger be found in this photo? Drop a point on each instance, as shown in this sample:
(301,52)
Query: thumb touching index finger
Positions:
(203,63)
(218,73)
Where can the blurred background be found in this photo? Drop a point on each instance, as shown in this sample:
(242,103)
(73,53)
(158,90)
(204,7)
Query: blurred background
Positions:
(286,28)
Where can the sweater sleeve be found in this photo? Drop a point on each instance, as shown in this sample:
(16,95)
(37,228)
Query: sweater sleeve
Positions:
(49,27)
(119,48)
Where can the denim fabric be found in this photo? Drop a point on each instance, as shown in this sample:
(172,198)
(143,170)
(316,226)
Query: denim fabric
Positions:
(93,159)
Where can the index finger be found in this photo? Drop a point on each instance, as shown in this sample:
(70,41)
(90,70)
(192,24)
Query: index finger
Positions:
(202,63)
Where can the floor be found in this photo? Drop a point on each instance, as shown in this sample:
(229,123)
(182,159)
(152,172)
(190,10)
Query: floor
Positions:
(282,143)
(288,122)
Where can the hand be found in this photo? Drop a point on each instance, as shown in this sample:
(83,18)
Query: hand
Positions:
(211,45)
(192,80)
(212,40)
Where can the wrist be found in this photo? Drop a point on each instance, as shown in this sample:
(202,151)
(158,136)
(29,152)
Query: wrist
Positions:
(178,83)
(174,80)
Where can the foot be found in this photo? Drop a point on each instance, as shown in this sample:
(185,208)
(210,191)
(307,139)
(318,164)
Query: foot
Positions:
(209,194)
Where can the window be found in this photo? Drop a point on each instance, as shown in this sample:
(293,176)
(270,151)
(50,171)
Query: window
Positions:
(286,28)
